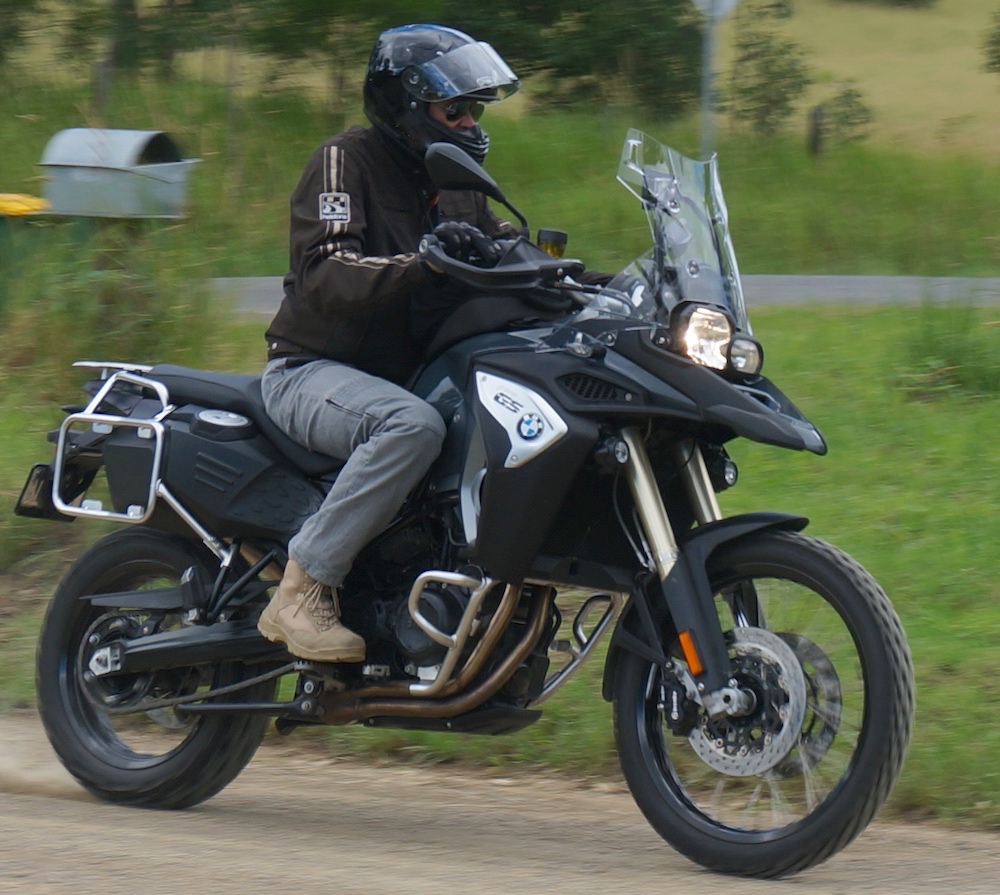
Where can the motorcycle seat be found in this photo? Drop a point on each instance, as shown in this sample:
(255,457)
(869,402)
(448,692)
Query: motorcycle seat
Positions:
(239,393)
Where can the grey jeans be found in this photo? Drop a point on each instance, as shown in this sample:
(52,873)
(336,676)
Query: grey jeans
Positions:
(388,437)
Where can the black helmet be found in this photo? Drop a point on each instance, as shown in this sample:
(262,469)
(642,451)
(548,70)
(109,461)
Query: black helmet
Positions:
(414,65)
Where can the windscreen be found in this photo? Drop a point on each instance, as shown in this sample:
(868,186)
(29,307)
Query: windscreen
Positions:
(692,258)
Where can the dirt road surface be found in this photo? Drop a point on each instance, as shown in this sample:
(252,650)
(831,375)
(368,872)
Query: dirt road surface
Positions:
(295,823)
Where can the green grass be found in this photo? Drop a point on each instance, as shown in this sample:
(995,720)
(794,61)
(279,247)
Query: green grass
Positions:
(903,395)
(909,488)
(856,210)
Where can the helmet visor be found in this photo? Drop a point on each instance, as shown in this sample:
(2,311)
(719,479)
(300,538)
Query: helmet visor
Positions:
(471,70)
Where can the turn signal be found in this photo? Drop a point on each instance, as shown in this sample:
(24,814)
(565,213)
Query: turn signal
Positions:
(694,663)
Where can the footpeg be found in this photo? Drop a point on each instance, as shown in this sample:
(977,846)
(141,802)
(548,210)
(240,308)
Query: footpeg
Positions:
(317,678)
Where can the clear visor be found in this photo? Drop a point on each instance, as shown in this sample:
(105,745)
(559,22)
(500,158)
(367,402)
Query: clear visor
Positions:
(475,69)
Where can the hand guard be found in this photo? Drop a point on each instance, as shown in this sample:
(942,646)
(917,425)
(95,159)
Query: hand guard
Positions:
(463,242)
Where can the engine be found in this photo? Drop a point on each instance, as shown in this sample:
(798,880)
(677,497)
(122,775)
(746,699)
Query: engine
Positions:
(375,603)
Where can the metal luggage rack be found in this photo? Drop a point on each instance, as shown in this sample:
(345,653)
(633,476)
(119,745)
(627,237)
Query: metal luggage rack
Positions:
(104,424)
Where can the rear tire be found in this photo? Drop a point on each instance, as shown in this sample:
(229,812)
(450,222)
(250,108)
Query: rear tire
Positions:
(156,759)
(715,793)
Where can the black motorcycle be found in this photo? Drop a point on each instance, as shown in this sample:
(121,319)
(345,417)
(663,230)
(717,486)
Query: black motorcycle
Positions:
(761,684)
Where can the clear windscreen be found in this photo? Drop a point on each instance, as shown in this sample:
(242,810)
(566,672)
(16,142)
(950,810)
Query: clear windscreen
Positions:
(692,258)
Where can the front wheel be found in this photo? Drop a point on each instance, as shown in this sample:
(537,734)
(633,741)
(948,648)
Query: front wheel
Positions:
(821,656)
(112,733)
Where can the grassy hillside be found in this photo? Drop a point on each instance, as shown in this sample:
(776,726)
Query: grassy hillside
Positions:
(920,69)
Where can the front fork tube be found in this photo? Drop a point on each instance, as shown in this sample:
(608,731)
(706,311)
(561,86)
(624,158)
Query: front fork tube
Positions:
(684,585)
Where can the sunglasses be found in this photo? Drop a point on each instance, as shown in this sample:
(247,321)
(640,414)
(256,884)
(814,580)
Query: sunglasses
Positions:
(459,108)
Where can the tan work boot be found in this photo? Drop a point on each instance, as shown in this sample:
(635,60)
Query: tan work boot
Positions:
(305,615)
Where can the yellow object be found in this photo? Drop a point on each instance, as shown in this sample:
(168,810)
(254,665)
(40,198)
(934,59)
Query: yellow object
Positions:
(17,204)
(553,242)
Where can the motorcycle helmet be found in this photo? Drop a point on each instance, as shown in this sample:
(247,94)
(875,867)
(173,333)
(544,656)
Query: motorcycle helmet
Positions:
(414,65)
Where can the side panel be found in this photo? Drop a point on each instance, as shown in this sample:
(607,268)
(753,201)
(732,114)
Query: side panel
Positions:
(585,546)
(534,451)
(237,488)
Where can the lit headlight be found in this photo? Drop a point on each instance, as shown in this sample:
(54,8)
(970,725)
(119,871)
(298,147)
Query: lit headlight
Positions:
(746,356)
(704,337)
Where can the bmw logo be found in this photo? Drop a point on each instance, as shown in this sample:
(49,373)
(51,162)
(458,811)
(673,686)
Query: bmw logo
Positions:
(530,427)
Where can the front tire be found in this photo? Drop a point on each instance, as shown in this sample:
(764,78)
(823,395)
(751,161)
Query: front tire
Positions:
(154,759)
(714,791)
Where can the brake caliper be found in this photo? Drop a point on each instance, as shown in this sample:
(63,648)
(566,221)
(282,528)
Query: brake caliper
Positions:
(679,710)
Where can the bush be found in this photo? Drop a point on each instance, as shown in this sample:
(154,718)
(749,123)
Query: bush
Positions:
(848,117)
(954,348)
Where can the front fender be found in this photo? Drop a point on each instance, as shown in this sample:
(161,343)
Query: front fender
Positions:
(632,635)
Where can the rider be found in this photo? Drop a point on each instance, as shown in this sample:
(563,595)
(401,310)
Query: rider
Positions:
(356,306)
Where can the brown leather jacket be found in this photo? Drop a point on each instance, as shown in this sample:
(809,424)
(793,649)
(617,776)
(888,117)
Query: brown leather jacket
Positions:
(356,288)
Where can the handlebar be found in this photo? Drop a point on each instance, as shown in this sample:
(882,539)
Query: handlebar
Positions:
(522,266)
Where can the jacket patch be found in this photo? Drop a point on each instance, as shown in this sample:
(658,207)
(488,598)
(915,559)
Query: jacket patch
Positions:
(335,207)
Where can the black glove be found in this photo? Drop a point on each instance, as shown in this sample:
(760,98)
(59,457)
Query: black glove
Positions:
(463,242)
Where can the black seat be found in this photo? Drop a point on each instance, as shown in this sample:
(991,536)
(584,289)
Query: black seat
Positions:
(239,393)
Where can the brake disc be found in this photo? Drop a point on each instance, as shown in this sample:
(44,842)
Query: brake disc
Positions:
(766,668)
(823,714)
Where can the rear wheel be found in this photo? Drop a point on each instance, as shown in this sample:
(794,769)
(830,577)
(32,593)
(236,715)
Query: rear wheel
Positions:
(107,730)
(816,646)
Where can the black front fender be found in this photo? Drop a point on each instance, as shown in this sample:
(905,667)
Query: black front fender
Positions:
(640,628)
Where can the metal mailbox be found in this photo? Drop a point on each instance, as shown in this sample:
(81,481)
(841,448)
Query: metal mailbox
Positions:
(106,173)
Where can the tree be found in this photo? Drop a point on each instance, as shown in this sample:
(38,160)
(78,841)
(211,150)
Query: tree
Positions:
(174,26)
(14,14)
(991,45)
(769,72)
(338,37)
(647,51)
(127,37)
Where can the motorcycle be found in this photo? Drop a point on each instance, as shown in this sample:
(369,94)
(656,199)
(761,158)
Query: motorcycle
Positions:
(760,680)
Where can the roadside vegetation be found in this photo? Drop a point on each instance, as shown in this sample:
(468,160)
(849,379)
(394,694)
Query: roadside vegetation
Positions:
(907,397)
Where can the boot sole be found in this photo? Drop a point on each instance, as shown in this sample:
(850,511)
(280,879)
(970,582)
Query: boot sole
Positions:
(276,635)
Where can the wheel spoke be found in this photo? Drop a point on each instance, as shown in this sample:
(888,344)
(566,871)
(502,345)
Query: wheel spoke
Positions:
(812,787)
(781,810)
(799,765)
(117,732)
(820,628)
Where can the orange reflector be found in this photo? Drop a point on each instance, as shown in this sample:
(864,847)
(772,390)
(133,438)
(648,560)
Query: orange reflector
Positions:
(691,656)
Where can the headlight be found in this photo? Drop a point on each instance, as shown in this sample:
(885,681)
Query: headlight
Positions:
(704,335)
(746,356)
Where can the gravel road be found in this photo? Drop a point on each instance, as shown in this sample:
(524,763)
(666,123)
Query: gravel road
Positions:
(295,823)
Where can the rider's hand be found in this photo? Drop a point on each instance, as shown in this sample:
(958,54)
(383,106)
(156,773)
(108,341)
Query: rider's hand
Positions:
(463,242)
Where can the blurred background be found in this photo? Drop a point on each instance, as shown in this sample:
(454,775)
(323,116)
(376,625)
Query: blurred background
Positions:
(855,137)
